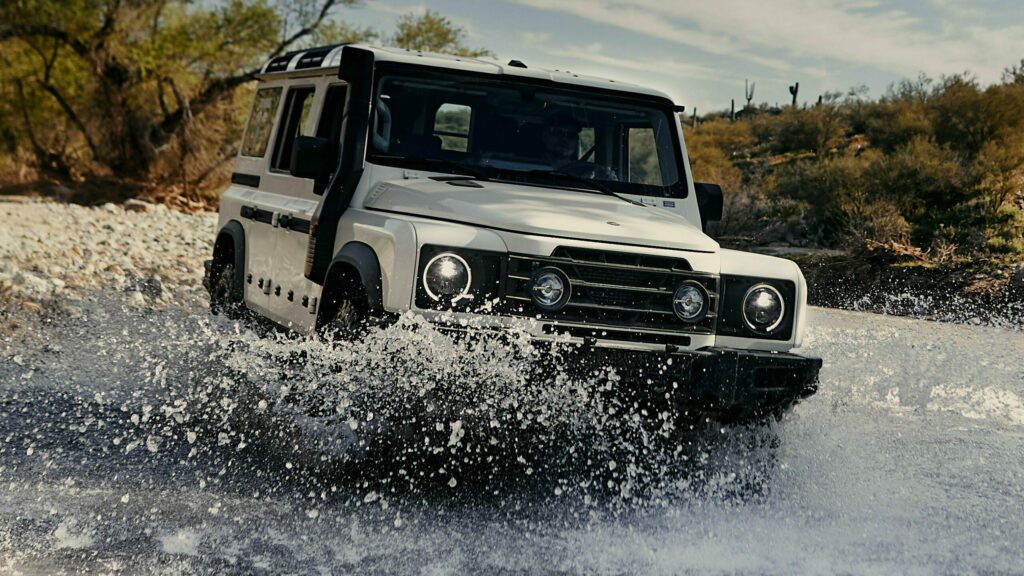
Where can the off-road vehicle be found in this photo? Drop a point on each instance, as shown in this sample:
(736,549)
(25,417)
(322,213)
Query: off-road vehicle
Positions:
(371,182)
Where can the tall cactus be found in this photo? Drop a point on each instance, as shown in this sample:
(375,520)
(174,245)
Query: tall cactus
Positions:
(793,90)
(748,91)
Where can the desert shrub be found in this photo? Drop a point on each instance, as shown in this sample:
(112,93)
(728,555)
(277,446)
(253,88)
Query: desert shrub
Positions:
(832,192)
(920,178)
(745,213)
(965,118)
(733,138)
(711,164)
(815,129)
(897,123)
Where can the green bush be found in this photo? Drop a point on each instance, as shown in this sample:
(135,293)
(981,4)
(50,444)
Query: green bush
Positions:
(896,124)
(816,129)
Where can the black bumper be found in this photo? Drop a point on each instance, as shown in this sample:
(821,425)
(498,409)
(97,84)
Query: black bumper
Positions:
(725,384)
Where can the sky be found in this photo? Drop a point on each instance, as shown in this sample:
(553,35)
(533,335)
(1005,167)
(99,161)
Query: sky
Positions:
(704,53)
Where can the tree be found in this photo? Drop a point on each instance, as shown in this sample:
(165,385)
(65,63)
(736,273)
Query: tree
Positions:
(132,78)
(432,32)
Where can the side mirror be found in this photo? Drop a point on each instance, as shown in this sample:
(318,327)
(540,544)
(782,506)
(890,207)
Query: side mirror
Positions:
(709,200)
(311,158)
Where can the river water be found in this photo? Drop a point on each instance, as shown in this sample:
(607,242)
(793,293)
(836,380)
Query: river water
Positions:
(131,443)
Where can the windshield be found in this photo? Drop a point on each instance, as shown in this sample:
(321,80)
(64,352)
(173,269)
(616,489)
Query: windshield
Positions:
(512,130)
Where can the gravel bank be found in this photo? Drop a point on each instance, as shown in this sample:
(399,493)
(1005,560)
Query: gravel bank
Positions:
(54,255)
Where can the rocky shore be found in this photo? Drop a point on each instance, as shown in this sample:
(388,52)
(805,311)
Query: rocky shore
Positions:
(55,255)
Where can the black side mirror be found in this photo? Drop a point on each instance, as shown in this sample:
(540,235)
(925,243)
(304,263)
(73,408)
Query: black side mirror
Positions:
(311,158)
(709,200)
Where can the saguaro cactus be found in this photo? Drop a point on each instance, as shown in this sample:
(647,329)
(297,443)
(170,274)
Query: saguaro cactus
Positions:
(793,90)
(748,91)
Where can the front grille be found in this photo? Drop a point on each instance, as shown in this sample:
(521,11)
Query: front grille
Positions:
(612,289)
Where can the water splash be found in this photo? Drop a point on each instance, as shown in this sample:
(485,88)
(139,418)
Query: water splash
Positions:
(408,412)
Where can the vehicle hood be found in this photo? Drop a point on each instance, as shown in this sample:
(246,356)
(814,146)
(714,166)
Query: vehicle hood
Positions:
(574,214)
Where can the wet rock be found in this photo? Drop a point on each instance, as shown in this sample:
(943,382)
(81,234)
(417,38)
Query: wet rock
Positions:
(1016,286)
(151,288)
(32,284)
(134,205)
(137,299)
(63,193)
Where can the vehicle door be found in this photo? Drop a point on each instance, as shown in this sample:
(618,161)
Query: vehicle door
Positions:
(293,298)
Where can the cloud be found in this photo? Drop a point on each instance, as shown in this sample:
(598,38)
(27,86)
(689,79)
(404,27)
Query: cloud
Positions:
(419,10)
(534,37)
(378,6)
(593,54)
(783,34)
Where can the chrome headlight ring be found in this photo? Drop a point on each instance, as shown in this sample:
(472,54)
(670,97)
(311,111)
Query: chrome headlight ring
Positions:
(447,276)
(765,303)
(550,289)
(690,302)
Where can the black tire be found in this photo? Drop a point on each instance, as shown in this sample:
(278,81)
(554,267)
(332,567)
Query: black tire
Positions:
(348,313)
(224,295)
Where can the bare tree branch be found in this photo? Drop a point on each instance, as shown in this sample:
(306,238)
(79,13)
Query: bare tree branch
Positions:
(22,101)
(70,112)
(8,31)
(109,20)
(305,31)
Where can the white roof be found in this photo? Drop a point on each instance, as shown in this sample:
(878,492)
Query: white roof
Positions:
(328,58)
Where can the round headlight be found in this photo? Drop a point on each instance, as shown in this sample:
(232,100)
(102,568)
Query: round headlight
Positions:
(447,276)
(763,308)
(550,289)
(690,302)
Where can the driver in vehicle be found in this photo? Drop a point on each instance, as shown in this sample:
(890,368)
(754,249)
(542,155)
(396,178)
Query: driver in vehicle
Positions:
(561,141)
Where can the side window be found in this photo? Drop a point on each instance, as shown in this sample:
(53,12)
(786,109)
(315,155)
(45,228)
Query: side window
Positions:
(331,117)
(296,111)
(261,121)
(333,113)
(586,143)
(451,124)
(643,157)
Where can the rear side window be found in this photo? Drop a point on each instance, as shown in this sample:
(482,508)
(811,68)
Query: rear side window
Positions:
(296,111)
(261,121)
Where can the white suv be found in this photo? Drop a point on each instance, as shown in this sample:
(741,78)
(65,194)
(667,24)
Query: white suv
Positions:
(373,181)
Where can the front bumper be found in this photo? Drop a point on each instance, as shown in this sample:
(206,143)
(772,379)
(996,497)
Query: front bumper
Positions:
(724,384)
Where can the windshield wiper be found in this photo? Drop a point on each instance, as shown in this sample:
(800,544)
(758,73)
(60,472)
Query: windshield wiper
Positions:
(585,181)
(458,168)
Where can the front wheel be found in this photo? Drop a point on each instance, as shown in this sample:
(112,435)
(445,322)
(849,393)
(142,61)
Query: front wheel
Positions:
(224,295)
(348,312)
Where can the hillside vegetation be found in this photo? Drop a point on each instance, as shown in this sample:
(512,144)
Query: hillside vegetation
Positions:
(931,171)
(108,99)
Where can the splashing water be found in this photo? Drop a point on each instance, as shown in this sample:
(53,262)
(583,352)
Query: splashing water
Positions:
(406,411)
(175,442)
